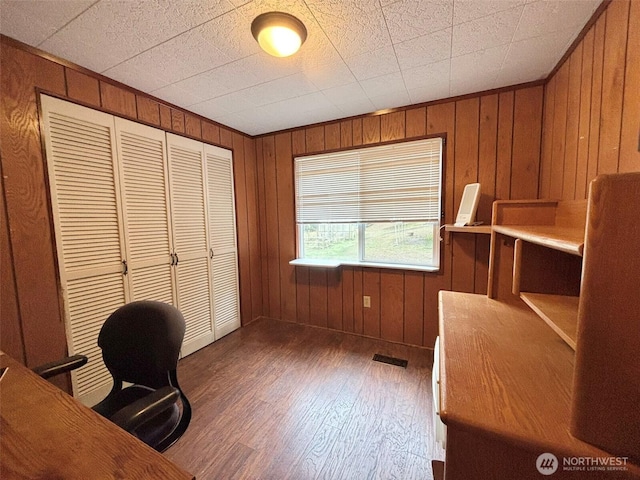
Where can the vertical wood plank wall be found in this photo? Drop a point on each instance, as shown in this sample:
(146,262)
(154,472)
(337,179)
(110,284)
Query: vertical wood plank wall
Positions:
(494,139)
(592,107)
(31,323)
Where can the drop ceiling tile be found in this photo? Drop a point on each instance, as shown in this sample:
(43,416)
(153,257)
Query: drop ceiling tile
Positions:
(549,16)
(424,50)
(352,27)
(33,22)
(486,32)
(461,85)
(481,65)
(373,64)
(329,76)
(391,100)
(145,79)
(467,10)
(345,93)
(349,108)
(177,95)
(429,93)
(533,58)
(279,89)
(435,74)
(111,32)
(391,83)
(407,19)
(181,57)
(231,103)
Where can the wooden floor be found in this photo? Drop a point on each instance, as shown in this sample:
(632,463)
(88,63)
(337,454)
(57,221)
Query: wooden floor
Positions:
(277,400)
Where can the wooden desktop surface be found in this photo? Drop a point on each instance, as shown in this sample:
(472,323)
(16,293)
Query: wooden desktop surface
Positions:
(47,434)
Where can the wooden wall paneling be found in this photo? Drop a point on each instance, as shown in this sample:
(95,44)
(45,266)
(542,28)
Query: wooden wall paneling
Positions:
(298,147)
(286,226)
(505,143)
(226,137)
(253,225)
(346,134)
(392,126)
(26,202)
(527,127)
(585,114)
(318,297)
(416,122)
(148,110)
(371,130)
(547,139)
(441,118)
(573,124)
(303,298)
(314,139)
(466,171)
(244,265)
(596,97)
(210,132)
(334,299)
(118,100)
(413,308)
(629,148)
(177,121)
(560,128)
(392,305)
(347,299)
(82,87)
(262,211)
(332,136)
(356,127)
(298,142)
(487,151)
(271,224)
(358,309)
(193,126)
(371,288)
(11,340)
(165,117)
(615,54)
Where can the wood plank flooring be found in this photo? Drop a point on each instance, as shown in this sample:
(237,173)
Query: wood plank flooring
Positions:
(278,400)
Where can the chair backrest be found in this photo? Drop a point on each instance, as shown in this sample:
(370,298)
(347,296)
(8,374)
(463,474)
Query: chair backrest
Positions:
(141,342)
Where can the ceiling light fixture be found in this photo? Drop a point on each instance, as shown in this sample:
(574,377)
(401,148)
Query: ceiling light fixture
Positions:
(278,33)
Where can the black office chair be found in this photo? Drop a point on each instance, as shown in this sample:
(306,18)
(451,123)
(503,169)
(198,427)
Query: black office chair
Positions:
(140,344)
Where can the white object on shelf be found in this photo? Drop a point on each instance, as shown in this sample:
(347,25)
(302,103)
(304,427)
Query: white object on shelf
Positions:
(468,205)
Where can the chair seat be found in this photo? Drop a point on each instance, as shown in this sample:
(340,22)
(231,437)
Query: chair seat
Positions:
(151,432)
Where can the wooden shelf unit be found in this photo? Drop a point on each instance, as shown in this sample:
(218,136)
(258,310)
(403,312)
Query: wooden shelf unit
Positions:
(549,362)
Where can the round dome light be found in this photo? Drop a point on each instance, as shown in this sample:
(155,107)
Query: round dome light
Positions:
(279,34)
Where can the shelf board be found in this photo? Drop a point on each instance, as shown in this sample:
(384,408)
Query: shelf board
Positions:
(505,374)
(560,312)
(308,262)
(564,239)
(486,229)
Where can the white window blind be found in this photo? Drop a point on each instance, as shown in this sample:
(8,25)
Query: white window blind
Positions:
(397,182)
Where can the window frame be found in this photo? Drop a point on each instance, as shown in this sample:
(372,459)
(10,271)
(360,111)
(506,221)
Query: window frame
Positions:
(329,263)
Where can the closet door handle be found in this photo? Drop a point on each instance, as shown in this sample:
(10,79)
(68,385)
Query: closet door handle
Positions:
(125,267)
(211,253)
(177,258)
(173,260)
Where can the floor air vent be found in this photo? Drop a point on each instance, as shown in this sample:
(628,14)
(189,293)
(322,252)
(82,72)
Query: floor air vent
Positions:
(390,360)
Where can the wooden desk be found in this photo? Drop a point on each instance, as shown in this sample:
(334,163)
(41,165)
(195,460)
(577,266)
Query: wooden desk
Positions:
(46,434)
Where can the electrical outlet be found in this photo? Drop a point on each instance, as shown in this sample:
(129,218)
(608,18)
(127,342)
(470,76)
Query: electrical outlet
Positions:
(366,301)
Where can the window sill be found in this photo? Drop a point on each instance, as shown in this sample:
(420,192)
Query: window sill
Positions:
(319,263)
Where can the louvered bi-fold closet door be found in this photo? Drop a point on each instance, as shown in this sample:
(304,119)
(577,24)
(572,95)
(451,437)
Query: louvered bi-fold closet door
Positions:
(189,220)
(222,239)
(83,177)
(147,220)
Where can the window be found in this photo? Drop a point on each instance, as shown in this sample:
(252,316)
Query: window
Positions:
(377,205)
